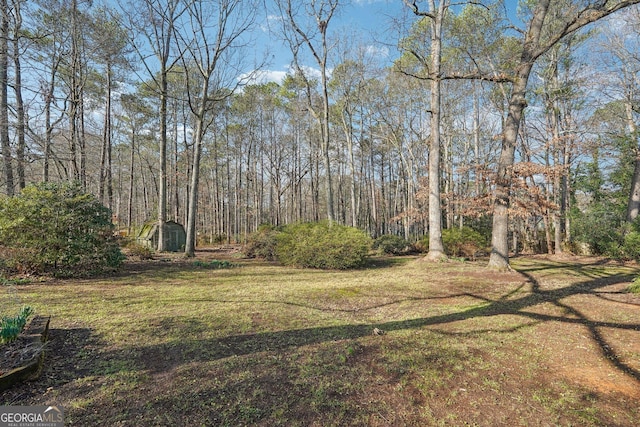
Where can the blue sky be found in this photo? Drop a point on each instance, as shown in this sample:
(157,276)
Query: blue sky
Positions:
(364,23)
(368,23)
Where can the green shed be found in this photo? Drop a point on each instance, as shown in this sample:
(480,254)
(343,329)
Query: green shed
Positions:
(175,237)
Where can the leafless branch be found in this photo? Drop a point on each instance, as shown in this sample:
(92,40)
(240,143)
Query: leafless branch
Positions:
(416,10)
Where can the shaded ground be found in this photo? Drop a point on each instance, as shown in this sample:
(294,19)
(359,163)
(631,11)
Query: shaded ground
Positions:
(555,343)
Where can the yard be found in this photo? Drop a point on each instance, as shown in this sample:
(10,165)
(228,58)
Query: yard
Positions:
(173,342)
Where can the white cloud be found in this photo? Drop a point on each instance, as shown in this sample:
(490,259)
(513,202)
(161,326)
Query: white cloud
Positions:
(365,2)
(272,21)
(262,76)
(377,51)
(310,72)
(265,76)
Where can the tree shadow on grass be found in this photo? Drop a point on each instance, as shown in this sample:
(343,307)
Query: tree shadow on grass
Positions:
(594,327)
(166,356)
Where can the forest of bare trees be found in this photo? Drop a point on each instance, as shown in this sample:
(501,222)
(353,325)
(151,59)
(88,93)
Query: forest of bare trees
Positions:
(521,124)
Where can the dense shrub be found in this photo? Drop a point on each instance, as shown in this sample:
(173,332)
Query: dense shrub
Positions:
(600,229)
(262,243)
(319,245)
(631,246)
(422,245)
(142,252)
(57,228)
(462,242)
(389,244)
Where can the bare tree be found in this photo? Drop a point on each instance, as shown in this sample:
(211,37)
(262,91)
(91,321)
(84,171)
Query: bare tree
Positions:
(49,49)
(4,98)
(213,50)
(75,82)
(305,24)
(110,51)
(17,38)
(154,24)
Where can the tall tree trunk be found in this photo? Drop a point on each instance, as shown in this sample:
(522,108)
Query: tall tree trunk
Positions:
(499,258)
(105,141)
(4,98)
(49,126)
(74,92)
(633,205)
(347,125)
(436,14)
(532,49)
(20,117)
(476,140)
(132,159)
(190,245)
(108,142)
(436,247)
(106,181)
(326,142)
(162,193)
(82,134)
(176,170)
(555,148)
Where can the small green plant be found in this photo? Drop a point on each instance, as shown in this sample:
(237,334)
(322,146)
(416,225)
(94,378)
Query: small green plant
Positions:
(634,287)
(10,327)
(214,264)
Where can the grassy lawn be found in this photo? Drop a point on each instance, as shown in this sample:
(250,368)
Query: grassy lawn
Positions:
(556,342)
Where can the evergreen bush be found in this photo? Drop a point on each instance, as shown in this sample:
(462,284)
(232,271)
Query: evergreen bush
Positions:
(389,244)
(262,243)
(57,228)
(462,242)
(600,228)
(320,245)
(422,245)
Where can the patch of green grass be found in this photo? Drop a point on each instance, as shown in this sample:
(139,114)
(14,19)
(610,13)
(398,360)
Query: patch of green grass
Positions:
(15,281)
(561,399)
(213,264)
(634,288)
